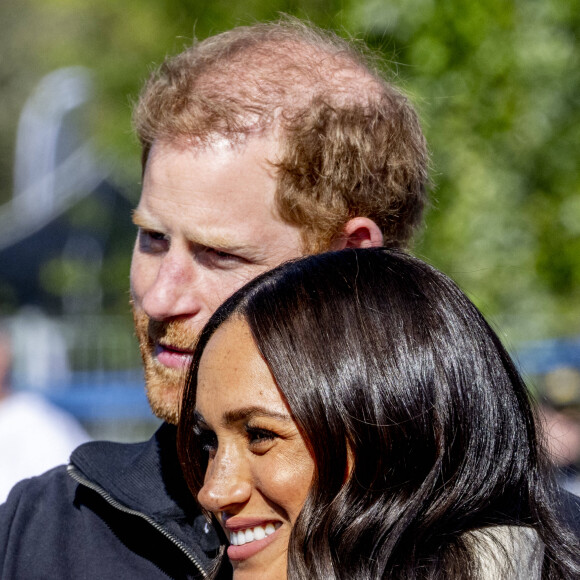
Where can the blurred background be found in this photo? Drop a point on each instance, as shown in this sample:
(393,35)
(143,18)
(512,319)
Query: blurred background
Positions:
(497,84)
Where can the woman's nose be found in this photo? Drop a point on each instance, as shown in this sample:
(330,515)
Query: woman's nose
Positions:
(227,483)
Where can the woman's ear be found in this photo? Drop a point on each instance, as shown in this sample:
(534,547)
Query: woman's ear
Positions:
(359,232)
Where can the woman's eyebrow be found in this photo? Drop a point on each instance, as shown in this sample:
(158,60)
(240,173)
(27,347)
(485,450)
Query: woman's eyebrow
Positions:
(245,413)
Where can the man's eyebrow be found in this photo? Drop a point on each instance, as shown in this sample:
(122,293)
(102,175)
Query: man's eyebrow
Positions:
(247,413)
(138,217)
(143,219)
(218,242)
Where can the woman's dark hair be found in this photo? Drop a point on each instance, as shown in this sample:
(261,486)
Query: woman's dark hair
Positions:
(382,359)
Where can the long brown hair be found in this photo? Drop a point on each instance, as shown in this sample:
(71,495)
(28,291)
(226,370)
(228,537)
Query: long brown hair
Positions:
(381,357)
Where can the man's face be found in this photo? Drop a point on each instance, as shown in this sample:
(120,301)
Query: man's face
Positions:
(207,225)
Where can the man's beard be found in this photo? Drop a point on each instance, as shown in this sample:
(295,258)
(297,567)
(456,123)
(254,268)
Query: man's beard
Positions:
(163,385)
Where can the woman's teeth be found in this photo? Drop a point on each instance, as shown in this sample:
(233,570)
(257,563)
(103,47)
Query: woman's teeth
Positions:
(242,537)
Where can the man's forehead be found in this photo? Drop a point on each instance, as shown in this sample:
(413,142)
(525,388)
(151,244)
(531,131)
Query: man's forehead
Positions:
(219,144)
(223,166)
(194,147)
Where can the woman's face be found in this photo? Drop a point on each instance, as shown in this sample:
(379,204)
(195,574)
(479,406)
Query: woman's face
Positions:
(259,468)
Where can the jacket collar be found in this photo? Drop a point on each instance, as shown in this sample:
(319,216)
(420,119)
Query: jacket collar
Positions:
(146,477)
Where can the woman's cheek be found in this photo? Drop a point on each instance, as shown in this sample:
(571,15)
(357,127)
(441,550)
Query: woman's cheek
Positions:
(287,480)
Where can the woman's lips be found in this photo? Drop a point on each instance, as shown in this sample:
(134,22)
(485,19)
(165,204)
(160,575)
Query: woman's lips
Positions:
(251,539)
(172,357)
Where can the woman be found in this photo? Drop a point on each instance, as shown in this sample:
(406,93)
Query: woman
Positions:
(351,415)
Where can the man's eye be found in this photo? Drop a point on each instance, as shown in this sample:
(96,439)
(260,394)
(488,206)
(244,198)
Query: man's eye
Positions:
(222,255)
(213,257)
(152,241)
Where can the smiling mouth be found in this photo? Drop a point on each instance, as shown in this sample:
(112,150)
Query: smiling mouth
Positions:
(246,542)
(248,535)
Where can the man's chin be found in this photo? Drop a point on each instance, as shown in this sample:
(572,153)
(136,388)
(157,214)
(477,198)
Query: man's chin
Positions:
(164,394)
(164,384)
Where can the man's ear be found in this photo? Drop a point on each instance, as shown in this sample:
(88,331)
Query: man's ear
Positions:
(359,232)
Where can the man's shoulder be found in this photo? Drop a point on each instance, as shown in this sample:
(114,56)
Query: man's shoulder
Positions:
(37,511)
(109,513)
(48,499)
(57,487)
(54,486)
(129,474)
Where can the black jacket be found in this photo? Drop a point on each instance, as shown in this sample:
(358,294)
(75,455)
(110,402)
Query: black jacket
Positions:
(119,511)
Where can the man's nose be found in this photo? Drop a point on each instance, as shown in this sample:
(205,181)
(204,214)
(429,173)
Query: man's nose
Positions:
(176,291)
(227,484)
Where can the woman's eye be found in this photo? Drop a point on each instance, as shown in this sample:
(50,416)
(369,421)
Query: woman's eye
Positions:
(207,441)
(259,437)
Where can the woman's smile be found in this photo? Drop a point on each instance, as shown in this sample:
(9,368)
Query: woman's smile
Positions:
(249,540)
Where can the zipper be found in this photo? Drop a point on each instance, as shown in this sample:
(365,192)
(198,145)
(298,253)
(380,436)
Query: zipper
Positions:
(72,471)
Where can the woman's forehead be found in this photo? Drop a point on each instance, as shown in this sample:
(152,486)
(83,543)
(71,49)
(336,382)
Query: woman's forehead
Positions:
(233,375)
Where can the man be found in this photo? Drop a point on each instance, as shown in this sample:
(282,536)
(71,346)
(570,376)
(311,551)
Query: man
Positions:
(259,145)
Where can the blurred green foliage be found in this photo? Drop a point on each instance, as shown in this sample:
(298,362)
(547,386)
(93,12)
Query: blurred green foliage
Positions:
(497,84)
